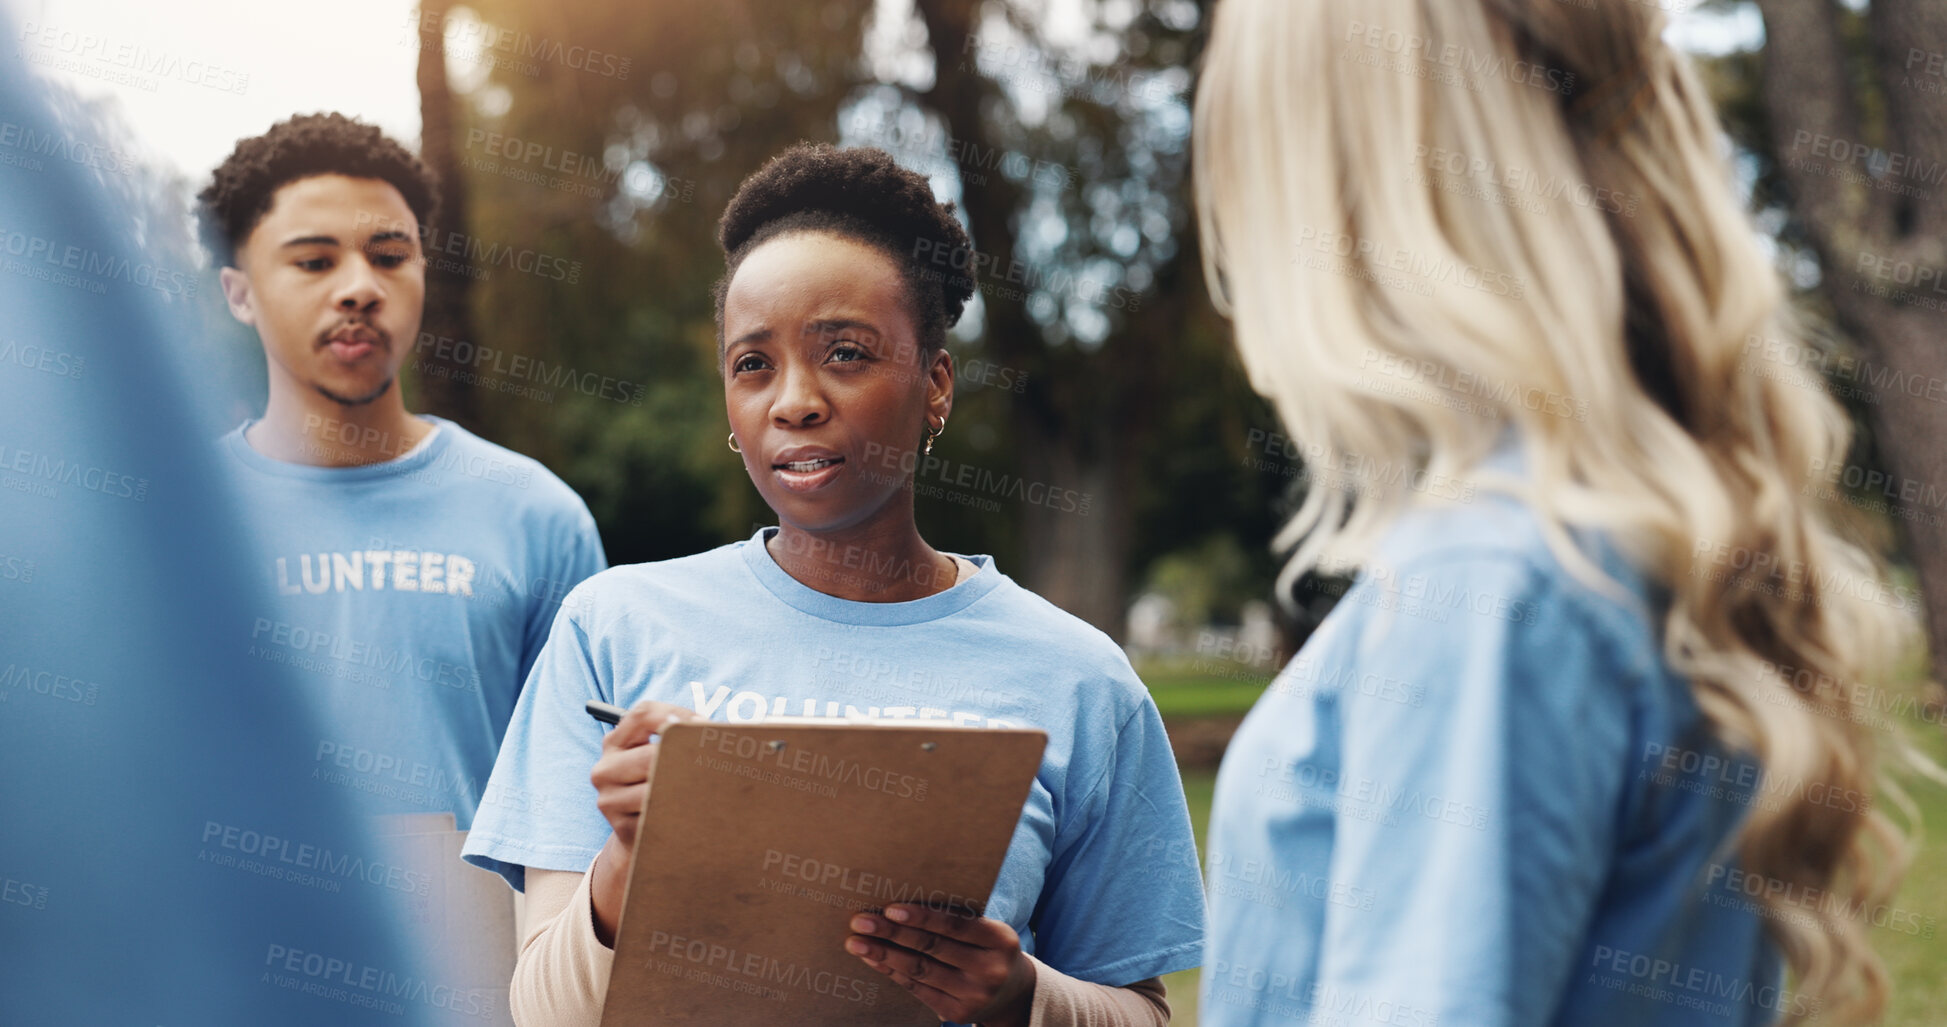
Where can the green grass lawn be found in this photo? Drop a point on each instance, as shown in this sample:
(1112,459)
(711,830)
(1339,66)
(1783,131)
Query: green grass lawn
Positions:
(1918,963)
(1188,693)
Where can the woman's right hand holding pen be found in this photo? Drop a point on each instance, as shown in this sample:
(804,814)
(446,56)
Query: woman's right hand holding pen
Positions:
(621,780)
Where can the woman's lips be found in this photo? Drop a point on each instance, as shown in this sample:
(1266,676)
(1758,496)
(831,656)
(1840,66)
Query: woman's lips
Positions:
(809,475)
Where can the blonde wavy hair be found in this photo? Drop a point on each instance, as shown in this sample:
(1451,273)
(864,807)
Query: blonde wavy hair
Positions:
(1436,221)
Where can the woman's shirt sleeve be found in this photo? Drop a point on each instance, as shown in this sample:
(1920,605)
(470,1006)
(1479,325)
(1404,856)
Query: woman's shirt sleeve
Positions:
(1482,820)
(1123,900)
(539,806)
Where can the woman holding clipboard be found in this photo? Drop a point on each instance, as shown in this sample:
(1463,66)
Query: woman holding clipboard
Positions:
(1577,748)
(832,325)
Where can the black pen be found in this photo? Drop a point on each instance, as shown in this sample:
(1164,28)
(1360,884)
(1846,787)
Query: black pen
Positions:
(605,712)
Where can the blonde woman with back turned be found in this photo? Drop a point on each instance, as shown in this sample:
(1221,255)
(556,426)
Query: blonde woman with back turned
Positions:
(1561,756)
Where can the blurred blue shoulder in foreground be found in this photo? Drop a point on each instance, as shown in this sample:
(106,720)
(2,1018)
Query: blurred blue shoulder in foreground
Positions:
(157,863)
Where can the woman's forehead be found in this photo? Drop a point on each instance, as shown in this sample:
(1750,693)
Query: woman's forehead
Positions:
(804,279)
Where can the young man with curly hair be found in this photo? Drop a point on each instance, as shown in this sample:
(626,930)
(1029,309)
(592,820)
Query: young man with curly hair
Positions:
(416,566)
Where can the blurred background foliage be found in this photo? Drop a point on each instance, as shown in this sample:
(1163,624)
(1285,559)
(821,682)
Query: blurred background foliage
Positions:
(1092,364)
(1095,369)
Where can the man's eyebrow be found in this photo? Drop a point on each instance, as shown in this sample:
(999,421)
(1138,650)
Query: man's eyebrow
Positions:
(754,335)
(313,240)
(393,236)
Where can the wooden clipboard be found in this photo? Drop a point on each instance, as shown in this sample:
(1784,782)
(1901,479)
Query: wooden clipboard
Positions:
(760,841)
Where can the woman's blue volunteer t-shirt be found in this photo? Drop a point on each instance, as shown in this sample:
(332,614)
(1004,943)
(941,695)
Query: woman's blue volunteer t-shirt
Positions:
(1478,795)
(410,596)
(1101,880)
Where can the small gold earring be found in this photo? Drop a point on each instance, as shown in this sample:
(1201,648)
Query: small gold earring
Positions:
(934,433)
(733,443)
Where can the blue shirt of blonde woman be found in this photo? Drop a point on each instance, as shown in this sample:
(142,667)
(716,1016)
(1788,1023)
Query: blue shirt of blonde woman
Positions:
(1479,795)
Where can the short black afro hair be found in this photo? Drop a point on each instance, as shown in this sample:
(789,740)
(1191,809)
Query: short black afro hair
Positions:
(861,194)
(240,192)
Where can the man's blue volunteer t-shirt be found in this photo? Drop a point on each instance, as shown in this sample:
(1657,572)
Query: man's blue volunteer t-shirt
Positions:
(1478,795)
(1101,880)
(411,596)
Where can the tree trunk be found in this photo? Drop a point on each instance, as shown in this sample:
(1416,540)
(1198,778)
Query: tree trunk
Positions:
(1077,561)
(1860,230)
(1077,558)
(1911,435)
(442,388)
